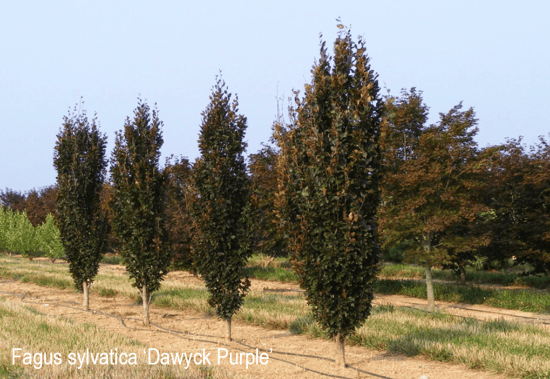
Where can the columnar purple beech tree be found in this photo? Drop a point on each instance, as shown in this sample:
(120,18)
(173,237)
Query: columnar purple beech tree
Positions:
(79,159)
(329,188)
(222,247)
(138,201)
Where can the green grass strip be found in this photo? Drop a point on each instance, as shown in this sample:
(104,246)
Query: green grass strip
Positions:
(271,273)
(523,300)
(403,271)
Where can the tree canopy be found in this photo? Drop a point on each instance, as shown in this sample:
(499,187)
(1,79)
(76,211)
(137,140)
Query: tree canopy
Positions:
(329,187)
(432,183)
(518,194)
(181,195)
(79,159)
(222,243)
(138,202)
(267,236)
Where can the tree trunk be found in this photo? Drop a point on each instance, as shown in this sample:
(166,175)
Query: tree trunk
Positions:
(340,356)
(145,300)
(430,289)
(228,331)
(462,272)
(86,290)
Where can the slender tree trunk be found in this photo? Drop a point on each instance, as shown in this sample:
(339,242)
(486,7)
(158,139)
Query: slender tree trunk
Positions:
(340,356)
(228,331)
(145,300)
(462,272)
(430,289)
(86,290)
(427,246)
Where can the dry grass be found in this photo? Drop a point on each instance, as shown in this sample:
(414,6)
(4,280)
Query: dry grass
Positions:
(501,346)
(24,328)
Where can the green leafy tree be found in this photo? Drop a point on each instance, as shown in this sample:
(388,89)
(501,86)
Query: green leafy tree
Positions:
(9,229)
(25,238)
(49,239)
(536,214)
(329,188)
(432,187)
(401,129)
(222,246)
(17,233)
(79,159)
(138,202)
(4,214)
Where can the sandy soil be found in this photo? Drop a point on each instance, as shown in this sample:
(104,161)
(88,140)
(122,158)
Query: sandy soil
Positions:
(290,356)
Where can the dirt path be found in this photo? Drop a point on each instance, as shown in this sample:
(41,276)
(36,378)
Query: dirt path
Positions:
(290,356)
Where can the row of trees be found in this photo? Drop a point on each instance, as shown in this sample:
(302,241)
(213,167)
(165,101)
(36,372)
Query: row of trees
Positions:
(349,166)
(326,169)
(137,196)
(511,190)
(18,235)
(38,203)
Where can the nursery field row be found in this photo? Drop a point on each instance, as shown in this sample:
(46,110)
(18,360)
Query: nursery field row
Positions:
(175,331)
(499,346)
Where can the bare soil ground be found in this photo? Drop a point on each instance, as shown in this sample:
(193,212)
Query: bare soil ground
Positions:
(290,356)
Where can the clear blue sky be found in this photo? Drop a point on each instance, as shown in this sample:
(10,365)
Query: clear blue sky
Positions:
(492,55)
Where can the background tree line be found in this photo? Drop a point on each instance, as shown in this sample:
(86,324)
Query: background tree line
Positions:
(509,194)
